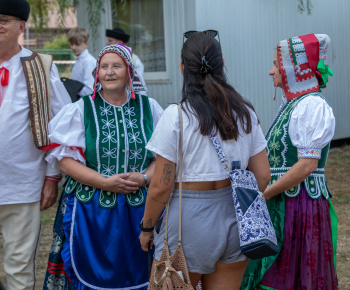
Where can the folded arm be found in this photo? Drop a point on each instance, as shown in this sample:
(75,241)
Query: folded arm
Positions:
(298,172)
(115,183)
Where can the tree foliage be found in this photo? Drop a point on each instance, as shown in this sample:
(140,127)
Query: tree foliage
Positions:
(40,11)
(59,41)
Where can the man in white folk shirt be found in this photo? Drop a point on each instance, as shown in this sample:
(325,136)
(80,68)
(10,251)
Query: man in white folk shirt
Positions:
(30,93)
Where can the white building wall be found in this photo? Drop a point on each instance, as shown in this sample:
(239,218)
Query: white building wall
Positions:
(249,32)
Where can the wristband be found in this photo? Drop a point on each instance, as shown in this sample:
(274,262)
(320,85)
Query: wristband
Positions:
(50,179)
(145,229)
(145,178)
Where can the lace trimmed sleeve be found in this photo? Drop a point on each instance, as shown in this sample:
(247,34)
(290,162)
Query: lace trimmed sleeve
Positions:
(67,134)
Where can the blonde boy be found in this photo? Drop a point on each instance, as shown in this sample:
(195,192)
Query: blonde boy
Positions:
(78,39)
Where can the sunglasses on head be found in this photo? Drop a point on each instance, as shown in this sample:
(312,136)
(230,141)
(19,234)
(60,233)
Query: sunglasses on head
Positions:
(213,33)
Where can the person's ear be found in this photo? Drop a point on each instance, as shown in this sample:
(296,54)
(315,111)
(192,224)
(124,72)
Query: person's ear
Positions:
(22,26)
(182,67)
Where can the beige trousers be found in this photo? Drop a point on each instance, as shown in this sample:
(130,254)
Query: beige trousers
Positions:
(20,225)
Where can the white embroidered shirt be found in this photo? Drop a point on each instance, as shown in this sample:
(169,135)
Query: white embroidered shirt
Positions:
(22,165)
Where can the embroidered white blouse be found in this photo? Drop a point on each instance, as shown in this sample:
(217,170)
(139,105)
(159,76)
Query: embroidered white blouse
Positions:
(68,129)
(22,165)
(82,72)
(200,160)
(312,126)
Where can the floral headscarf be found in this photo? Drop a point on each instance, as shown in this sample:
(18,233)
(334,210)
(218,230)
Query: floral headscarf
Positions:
(125,53)
(302,61)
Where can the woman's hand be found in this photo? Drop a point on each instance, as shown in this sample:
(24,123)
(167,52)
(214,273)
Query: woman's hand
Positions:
(120,183)
(136,177)
(145,238)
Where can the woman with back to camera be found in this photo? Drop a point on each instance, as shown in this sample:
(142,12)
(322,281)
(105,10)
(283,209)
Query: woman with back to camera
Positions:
(210,237)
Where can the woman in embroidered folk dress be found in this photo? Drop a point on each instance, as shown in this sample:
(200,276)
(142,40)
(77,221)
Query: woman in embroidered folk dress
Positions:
(209,228)
(100,143)
(298,198)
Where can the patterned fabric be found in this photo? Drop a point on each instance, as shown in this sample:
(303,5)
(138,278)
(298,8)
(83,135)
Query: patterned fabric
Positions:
(116,138)
(37,73)
(254,222)
(306,258)
(309,153)
(101,249)
(55,278)
(256,269)
(283,155)
(125,53)
(299,76)
(127,128)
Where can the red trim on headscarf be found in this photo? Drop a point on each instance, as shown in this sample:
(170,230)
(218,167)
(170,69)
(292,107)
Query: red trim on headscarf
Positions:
(312,49)
(55,145)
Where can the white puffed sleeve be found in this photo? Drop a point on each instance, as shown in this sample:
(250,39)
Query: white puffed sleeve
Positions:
(156,110)
(67,130)
(59,98)
(312,126)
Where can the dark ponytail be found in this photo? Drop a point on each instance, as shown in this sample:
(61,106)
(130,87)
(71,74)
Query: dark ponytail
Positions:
(215,103)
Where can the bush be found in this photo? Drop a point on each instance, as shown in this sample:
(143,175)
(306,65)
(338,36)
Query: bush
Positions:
(59,41)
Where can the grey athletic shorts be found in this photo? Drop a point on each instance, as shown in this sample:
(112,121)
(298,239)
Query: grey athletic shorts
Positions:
(209,229)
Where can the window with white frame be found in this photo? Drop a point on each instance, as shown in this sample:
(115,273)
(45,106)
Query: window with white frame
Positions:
(143,20)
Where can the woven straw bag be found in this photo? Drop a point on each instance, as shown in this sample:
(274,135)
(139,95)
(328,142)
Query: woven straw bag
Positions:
(171,271)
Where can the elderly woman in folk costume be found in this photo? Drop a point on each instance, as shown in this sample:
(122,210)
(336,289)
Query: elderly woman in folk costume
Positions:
(99,142)
(298,198)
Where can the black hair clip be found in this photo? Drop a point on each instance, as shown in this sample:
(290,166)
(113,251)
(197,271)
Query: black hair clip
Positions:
(206,68)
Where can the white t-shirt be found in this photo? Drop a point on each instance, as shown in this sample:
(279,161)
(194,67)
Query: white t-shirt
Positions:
(200,160)
(312,123)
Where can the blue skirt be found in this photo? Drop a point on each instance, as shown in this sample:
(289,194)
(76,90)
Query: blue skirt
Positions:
(101,247)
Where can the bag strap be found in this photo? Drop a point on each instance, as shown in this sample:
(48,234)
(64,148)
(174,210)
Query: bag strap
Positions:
(219,151)
(180,185)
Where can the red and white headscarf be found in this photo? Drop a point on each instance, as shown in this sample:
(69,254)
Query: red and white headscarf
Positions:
(299,60)
(125,53)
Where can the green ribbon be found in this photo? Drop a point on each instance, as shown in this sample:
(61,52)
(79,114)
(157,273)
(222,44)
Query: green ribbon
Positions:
(334,226)
(325,72)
